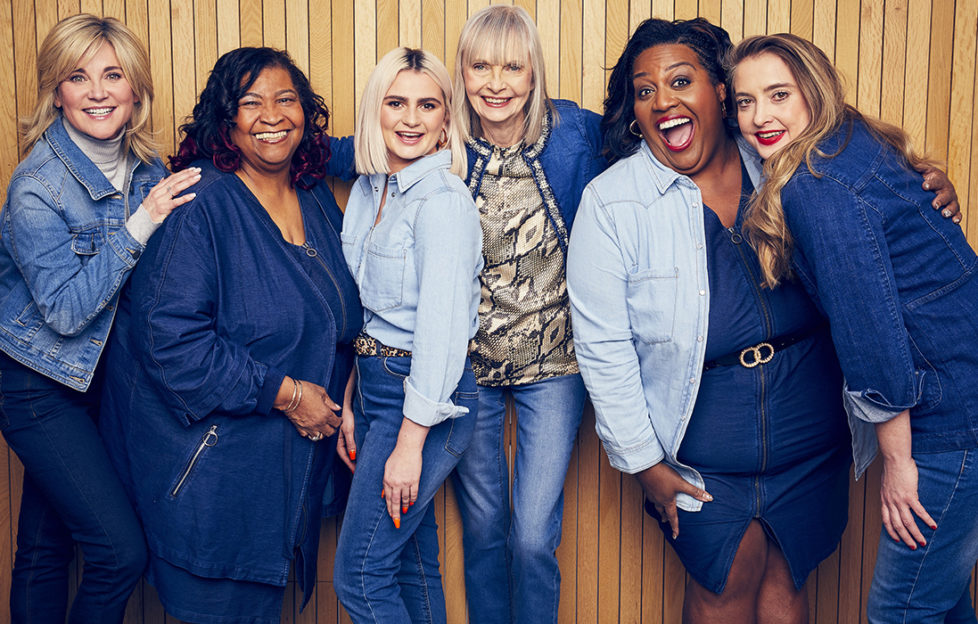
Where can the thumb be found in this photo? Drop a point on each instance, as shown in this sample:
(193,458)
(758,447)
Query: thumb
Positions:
(697,493)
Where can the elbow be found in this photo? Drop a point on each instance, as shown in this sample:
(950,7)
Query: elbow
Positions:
(64,323)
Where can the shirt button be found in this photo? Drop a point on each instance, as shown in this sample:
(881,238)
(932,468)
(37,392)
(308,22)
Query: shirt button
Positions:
(692,380)
(702,293)
(699,339)
(700,246)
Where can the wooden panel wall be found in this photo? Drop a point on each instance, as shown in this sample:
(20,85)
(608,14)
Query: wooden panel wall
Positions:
(910,61)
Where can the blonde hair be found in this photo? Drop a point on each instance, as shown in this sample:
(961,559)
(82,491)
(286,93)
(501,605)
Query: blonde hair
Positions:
(499,35)
(70,44)
(370,148)
(821,86)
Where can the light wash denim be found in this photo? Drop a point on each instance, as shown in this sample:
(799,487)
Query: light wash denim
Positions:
(510,562)
(931,585)
(418,274)
(382,574)
(640,301)
(898,284)
(64,256)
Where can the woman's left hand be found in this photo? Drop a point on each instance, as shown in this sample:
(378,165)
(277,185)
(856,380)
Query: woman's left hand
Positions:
(946,198)
(315,415)
(402,472)
(898,493)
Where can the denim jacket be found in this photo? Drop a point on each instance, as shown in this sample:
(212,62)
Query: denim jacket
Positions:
(570,157)
(219,311)
(418,275)
(640,302)
(65,254)
(897,282)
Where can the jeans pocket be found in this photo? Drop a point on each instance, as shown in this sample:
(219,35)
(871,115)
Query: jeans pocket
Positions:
(397,366)
(460,433)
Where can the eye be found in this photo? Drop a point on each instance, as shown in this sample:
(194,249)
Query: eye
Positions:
(681,82)
(644,92)
(744,102)
(114,76)
(77,78)
(514,67)
(393,103)
(479,67)
(429,106)
(248,104)
(778,96)
(287,100)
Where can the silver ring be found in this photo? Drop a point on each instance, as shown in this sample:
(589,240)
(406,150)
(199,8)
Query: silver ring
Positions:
(317,437)
(169,189)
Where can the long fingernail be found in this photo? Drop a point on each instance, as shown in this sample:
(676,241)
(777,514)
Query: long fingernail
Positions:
(945,213)
(353,455)
(397,523)
(933,527)
(411,504)
(382,493)
(708,496)
(404,509)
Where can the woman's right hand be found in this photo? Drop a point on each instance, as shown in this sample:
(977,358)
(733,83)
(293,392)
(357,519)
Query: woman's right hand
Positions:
(898,494)
(315,417)
(162,199)
(661,484)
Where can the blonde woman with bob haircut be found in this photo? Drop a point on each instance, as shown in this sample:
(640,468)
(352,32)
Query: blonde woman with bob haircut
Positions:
(80,209)
(843,210)
(411,239)
(529,159)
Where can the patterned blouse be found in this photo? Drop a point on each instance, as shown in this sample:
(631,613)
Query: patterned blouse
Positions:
(524,317)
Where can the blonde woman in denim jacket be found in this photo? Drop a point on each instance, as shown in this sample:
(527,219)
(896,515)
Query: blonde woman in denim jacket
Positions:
(79,211)
(899,287)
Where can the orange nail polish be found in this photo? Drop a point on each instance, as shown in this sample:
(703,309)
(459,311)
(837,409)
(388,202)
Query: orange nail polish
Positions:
(353,455)
(397,523)
(382,493)
(411,504)
(404,509)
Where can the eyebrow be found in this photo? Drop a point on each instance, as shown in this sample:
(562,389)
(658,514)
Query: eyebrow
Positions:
(769,88)
(670,68)
(276,94)
(405,99)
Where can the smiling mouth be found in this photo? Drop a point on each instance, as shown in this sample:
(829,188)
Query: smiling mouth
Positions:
(271,137)
(409,137)
(496,102)
(769,137)
(676,132)
(101,111)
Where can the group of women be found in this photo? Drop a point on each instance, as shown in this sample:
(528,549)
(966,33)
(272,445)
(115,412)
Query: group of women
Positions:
(729,293)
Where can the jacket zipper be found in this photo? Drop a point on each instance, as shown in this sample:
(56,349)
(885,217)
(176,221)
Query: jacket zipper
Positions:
(312,253)
(209,439)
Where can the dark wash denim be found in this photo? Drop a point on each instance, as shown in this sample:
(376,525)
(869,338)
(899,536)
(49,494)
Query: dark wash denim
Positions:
(382,574)
(218,310)
(65,254)
(897,282)
(71,495)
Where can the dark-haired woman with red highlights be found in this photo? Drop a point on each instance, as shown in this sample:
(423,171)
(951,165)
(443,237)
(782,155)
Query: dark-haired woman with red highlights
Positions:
(231,349)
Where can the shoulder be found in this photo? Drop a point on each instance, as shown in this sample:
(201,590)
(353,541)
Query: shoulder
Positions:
(572,118)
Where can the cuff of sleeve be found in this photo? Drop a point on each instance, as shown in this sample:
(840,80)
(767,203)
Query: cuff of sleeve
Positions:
(866,409)
(425,412)
(126,246)
(636,458)
(141,225)
(269,390)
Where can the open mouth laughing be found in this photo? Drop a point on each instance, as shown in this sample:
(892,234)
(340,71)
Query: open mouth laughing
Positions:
(676,132)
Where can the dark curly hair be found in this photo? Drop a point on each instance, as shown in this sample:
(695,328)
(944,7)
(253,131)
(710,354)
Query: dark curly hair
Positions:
(207,131)
(709,42)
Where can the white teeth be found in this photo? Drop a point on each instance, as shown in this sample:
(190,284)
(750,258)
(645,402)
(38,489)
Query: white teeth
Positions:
(672,123)
(98,111)
(769,135)
(270,136)
(493,100)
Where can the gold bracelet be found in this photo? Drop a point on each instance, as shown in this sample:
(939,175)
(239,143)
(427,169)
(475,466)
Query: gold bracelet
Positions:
(291,408)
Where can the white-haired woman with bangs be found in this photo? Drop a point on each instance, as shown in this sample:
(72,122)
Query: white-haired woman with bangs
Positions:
(529,159)
(411,239)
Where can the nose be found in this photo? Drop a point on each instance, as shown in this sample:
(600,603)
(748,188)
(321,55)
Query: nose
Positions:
(270,114)
(96,90)
(411,116)
(761,114)
(664,100)
(496,81)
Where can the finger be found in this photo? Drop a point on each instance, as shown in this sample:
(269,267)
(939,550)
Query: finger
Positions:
(330,403)
(929,179)
(342,451)
(697,493)
(183,199)
(899,523)
(333,420)
(327,430)
(673,517)
(888,524)
(918,509)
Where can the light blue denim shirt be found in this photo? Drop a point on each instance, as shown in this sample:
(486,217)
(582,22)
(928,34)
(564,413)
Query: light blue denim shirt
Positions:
(640,301)
(418,275)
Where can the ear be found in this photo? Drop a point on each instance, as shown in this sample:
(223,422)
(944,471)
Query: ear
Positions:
(57,98)
(722,91)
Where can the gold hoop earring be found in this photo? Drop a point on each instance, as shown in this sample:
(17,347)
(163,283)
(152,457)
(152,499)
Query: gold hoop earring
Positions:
(631,128)
(442,142)
(723,109)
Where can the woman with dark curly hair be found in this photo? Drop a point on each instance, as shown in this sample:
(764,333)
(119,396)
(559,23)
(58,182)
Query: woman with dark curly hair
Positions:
(230,348)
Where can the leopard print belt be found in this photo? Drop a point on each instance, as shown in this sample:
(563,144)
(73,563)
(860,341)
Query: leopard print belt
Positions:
(368,346)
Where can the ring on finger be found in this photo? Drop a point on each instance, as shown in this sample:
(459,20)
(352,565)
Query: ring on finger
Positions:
(169,189)
(317,437)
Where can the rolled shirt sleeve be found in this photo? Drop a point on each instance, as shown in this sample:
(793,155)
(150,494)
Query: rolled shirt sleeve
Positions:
(448,257)
(609,363)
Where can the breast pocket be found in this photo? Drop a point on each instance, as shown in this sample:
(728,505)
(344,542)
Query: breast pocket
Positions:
(86,243)
(383,277)
(651,300)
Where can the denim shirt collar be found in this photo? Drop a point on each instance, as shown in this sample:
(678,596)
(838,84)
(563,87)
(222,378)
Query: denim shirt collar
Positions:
(81,166)
(416,171)
(664,177)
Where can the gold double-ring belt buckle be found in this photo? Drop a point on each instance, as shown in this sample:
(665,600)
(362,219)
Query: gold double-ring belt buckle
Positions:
(758,355)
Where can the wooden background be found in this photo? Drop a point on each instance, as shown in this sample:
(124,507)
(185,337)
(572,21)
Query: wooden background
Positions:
(910,61)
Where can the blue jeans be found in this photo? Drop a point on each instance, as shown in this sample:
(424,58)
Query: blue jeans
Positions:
(926,586)
(382,574)
(71,495)
(498,548)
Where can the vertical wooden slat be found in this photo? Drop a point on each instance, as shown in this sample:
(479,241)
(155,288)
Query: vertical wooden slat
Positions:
(630,583)
(653,583)
(20,49)
(297,26)
(823,27)
(567,551)
(409,23)
(778,16)
(960,157)
(915,76)
(847,46)
(161,63)
(205,40)
(588,519)
(894,61)
(273,23)
(548,22)
(938,84)
(870,56)
(432,28)
(755,17)
(250,26)
(228,25)
(803,18)
(184,59)
(386,26)
(571,27)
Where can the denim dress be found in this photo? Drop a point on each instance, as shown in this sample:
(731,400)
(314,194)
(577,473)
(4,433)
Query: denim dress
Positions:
(771,442)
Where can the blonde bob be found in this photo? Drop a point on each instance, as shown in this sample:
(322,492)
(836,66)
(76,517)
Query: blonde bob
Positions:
(500,35)
(369,145)
(69,45)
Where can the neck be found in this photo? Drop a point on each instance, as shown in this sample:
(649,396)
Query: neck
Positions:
(724,159)
(504,134)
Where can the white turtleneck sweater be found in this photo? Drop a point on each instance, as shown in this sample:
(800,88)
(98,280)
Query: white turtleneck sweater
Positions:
(108,156)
